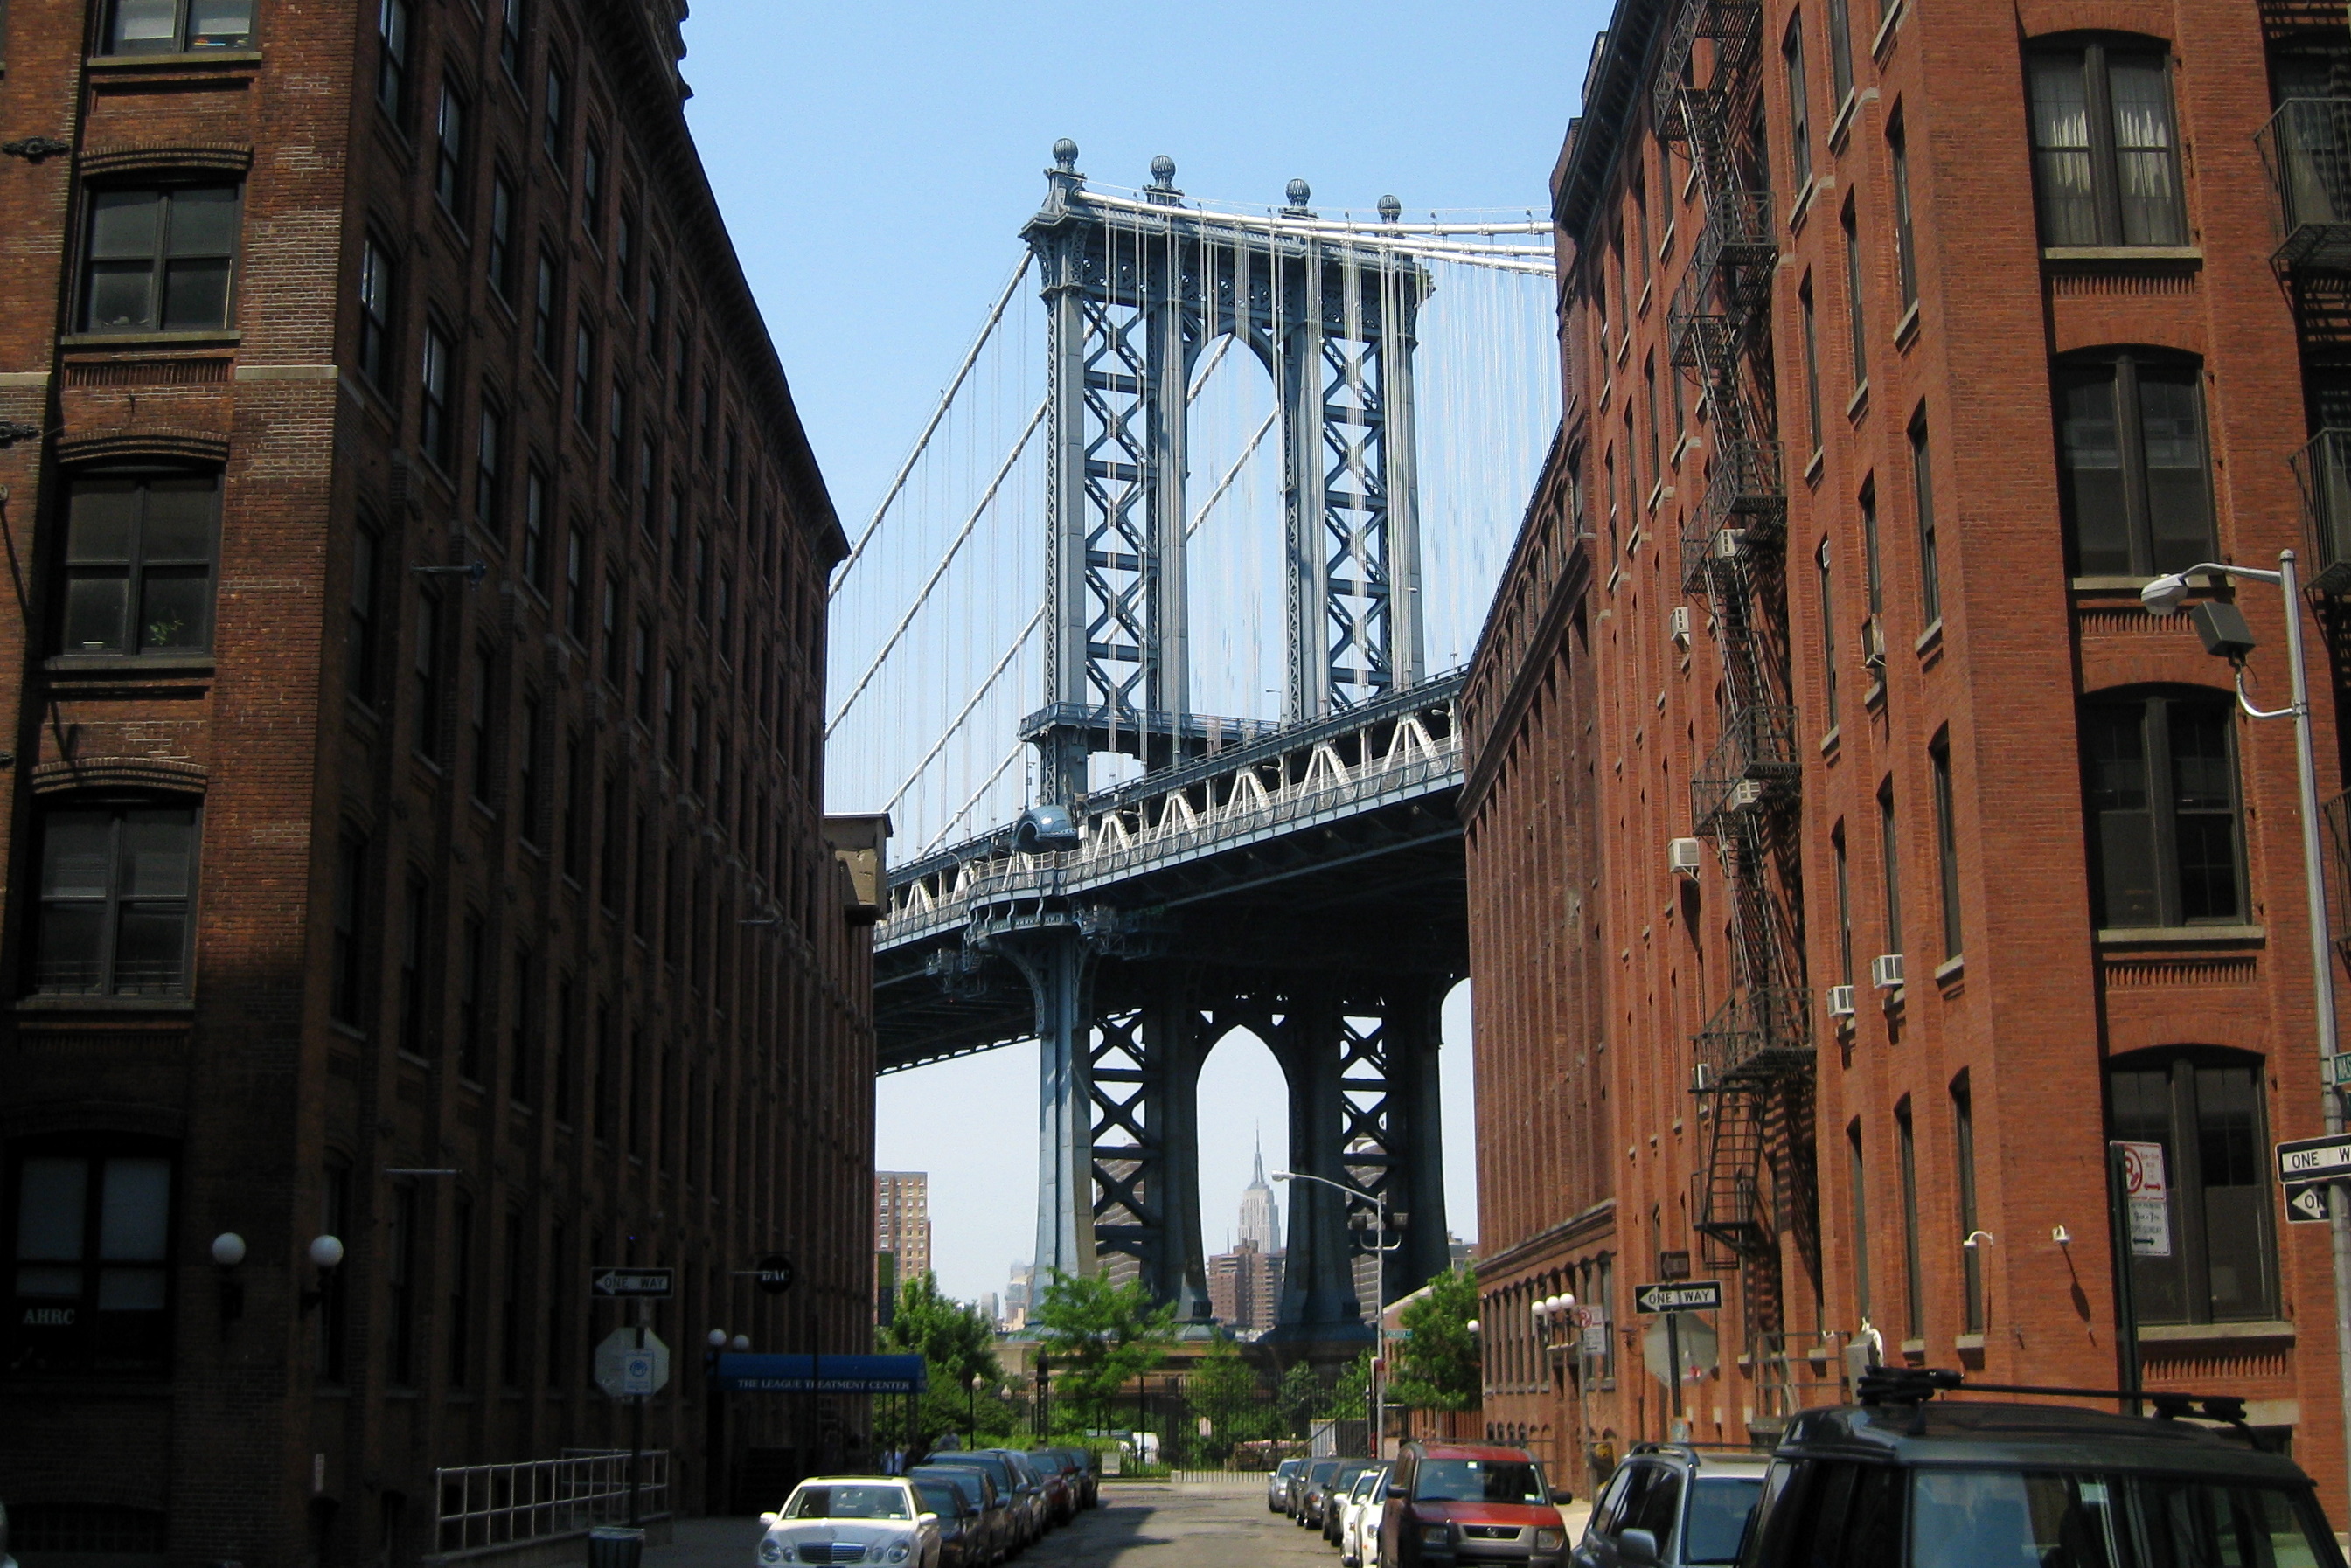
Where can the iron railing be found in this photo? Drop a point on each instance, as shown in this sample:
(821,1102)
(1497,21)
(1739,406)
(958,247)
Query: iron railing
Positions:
(2307,147)
(1754,765)
(1760,1033)
(480,1506)
(1795,1371)
(2323,468)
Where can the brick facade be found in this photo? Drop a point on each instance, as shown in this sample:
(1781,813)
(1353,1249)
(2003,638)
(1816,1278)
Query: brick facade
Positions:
(498,924)
(2018,1009)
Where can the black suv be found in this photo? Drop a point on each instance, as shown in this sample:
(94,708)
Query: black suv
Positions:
(1673,1504)
(1906,1479)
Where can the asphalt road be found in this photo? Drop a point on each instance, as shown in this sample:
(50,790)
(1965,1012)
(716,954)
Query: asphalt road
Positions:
(1147,1526)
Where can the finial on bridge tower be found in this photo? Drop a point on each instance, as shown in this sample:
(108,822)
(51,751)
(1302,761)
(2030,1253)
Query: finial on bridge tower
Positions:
(1390,209)
(1065,155)
(1062,181)
(1162,183)
(1298,191)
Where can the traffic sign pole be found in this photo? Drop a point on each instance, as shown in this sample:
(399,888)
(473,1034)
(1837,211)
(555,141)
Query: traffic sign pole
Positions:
(637,1421)
(1674,1365)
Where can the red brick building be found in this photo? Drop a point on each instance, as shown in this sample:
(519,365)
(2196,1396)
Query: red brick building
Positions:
(1904,344)
(416,619)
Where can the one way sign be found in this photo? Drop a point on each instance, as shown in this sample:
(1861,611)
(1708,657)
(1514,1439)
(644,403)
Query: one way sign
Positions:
(2306,1203)
(650,1284)
(1688,1296)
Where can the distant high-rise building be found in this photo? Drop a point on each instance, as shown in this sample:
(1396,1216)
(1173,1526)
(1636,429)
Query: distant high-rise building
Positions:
(989,1308)
(1260,1221)
(902,1219)
(1245,1287)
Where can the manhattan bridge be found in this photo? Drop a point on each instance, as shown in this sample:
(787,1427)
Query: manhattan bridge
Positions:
(1150,649)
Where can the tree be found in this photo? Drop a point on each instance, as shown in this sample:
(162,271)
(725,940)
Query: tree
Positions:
(1436,1366)
(1100,1336)
(1300,1397)
(1224,1387)
(956,1343)
(1350,1399)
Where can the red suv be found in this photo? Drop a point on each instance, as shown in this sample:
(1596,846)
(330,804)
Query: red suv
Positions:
(1464,1505)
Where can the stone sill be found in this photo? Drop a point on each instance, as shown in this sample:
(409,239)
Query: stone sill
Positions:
(2107,255)
(150,340)
(158,1006)
(2193,1332)
(2177,936)
(127,667)
(186,60)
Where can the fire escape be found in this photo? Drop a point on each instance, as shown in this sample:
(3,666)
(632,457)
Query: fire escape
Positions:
(1753,1058)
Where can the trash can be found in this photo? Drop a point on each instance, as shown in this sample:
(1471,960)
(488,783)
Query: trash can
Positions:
(615,1546)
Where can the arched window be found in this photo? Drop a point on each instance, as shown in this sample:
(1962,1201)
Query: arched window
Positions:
(2105,148)
(2137,490)
(141,544)
(2159,781)
(2204,1107)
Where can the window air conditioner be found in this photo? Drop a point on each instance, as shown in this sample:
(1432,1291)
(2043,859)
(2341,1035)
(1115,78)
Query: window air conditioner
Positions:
(1841,1001)
(1678,624)
(1683,856)
(1727,544)
(1746,794)
(1885,971)
(1701,1080)
(1873,643)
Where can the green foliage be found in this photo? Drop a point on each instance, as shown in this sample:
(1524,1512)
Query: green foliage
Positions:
(1100,1336)
(1299,1400)
(1224,1387)
(1436,1366)
(1350,1399)
(957,1343)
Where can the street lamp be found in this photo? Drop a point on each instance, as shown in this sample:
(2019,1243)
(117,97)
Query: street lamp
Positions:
(2225,634)
(971,1414)
(1380,1244)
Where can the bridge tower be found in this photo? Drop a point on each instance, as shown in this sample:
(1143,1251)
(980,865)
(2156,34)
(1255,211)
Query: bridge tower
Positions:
(1135,290)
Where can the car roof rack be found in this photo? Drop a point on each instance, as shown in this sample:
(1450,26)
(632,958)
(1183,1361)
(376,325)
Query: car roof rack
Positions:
(1914,1386)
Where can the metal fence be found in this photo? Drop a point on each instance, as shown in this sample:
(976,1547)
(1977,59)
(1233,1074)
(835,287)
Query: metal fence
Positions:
(481,1506)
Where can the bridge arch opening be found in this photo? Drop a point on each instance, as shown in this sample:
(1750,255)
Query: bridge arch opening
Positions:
(1244,1134)
(1236,557)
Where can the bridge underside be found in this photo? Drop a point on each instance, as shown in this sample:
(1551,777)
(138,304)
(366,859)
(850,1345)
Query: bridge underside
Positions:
(1335,942)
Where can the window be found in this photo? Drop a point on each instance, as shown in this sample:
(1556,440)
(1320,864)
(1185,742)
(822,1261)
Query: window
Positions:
(93,1252)
(2130,450)
(1873,569)
(625,258)
(575,585)
(1840,53)
(471,983)
(1858,1178)
(520,1084)
(514,1358)
(576,808)
(158,259)
(591,189)
(699,574)
(731,467)
(138,564)
(534,527)
(615,674)
(449,152)
(648,485)
(1856,324)
(376,291)
(391,58)
(416,946)
(1890,845)
(1828,639)
(2205,1108)
(399,1287)
(1905,231)
(434,431)
(641,657)
(1963,1138)
(460,1368)
(542,314)
(116,884)
(567,1049)
(489,488)
(1913,1272)
(1799,111)
(2103,147)
(1843,908)
(501,246)
(477,721)
(583,379)
(510,28)
(618,426)
(1649,411)
(615,865)
(359,628)
(171,27)
(696,779)
(669,713)
(558,105)
(1922,480)
(1811,363)
(345,977)
(426,677)
(1946,845)
(2160,773)
(533,813)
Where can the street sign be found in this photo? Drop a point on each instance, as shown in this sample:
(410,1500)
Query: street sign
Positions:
(776,1274)
(641,1284)
(2305,1202)
(1689,1342)
(626,1369)
(1674,1265)
(1696,1295)
(2147,1199)
(2314,1159)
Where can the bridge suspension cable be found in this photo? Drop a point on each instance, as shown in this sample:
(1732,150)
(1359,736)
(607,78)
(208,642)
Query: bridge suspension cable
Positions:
(957,722)
(948,827)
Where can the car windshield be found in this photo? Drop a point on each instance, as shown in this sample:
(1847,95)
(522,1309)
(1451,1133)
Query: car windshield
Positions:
(1287,1468)
(1964,1517)
(1322,1472)
(874,1501)
(938,1497)
(996,1468)
(965,1482)
(1719,1508)
(1366,1484)
(1478,1480)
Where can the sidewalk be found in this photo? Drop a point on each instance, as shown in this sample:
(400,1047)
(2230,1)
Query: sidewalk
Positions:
(708,1544)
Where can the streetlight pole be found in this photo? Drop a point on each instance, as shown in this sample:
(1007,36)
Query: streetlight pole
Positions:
(1380,1245)
(2162,596)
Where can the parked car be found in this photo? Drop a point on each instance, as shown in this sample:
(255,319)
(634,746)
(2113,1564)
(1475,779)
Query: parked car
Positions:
(1359,1516)
(960,1542)
(881,1519)
(1276,1485)
(1040,1500)
(995,1530)
(1069,1465)
(1060,1496)
(1335,1493)
(1694,1503)
(1966,1482)
(1020,1496)
(1461,1504)
(1308,1506)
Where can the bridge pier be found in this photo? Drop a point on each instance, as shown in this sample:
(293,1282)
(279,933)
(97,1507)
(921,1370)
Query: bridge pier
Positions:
(1055,962)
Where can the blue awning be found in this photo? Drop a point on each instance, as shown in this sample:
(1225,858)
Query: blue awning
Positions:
(823,1374)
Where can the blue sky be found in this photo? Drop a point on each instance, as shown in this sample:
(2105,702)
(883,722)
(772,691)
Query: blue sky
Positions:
(875,162)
